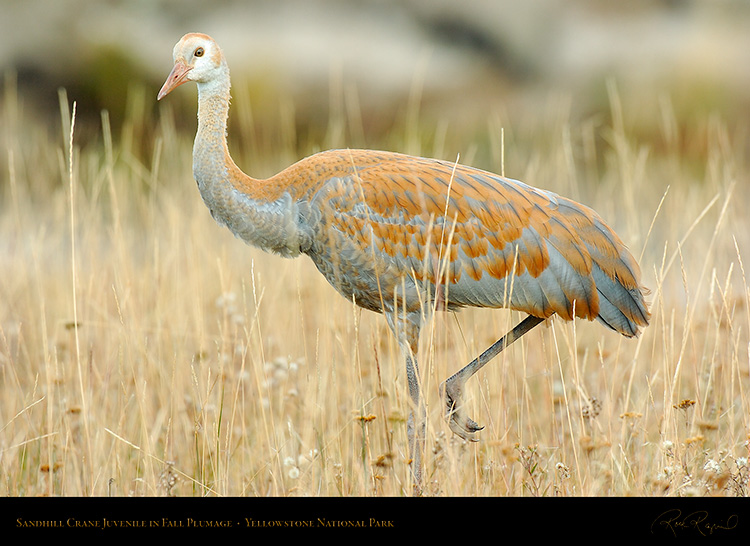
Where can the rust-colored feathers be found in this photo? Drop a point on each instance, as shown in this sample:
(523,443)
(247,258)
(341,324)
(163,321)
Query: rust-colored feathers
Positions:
(472,237)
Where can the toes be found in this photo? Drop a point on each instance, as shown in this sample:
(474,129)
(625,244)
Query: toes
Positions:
(459,423)
(465,428)
(472,425)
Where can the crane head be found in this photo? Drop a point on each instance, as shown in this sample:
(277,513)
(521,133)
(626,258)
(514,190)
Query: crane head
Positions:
(196,58)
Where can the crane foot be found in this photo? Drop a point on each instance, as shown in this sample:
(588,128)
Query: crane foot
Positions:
(459,422)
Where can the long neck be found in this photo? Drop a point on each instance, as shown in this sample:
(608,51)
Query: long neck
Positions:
(232,196)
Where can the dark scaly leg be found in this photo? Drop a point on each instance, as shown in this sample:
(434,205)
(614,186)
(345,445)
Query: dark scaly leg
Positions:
(452,389)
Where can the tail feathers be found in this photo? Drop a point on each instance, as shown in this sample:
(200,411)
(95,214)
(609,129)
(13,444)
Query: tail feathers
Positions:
(620,308)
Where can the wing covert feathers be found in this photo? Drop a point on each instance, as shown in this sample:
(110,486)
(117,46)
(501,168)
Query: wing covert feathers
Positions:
(487,240)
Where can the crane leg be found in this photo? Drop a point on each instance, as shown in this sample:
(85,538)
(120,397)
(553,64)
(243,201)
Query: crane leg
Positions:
(415,427)
(452,388)
(405,327)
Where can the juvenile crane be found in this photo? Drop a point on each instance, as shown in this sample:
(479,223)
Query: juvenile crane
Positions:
(400,235)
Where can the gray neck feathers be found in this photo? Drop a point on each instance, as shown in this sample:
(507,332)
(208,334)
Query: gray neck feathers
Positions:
(270,225)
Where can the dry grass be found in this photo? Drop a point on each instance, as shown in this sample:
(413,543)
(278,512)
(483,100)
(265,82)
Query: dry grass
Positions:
(144,351)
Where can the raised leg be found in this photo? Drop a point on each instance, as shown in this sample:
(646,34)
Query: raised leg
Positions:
(452,389)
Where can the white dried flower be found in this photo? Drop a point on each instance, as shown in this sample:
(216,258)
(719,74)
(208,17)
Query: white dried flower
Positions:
(668,471)
(711,466)
(227,299)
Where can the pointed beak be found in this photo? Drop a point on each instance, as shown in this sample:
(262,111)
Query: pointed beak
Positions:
(177,77)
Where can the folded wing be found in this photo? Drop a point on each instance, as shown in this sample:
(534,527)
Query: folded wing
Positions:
(473,238)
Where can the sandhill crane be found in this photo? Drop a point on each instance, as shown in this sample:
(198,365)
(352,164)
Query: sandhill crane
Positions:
(399,234)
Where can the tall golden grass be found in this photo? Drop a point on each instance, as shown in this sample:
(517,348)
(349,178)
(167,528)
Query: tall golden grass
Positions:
(144,351)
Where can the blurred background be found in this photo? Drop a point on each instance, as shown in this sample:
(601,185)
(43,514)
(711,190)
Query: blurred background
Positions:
(459,60)
(121,301)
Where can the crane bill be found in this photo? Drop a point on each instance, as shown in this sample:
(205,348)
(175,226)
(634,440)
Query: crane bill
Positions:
(177,77)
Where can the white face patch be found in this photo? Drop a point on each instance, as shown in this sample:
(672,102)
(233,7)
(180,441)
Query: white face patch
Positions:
(202,54)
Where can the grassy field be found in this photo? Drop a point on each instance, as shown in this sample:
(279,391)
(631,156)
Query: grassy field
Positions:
(146,352)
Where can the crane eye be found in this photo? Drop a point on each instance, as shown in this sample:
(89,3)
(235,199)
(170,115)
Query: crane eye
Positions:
(199,52)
